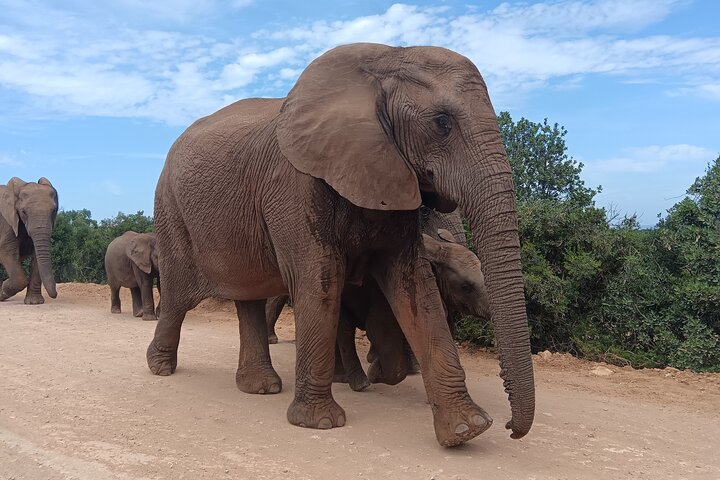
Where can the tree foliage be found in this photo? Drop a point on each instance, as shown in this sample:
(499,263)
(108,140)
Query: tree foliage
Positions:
(619,293)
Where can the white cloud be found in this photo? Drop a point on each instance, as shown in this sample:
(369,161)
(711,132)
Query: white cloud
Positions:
(80,66)
(8,160)
(572,16)
(654,158)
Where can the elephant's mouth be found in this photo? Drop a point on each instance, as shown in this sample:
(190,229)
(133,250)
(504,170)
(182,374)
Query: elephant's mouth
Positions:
(434,200)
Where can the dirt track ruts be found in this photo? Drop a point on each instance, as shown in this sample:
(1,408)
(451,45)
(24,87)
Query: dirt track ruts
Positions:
(78,402)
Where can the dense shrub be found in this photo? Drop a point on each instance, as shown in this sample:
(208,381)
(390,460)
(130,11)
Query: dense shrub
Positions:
(614,292)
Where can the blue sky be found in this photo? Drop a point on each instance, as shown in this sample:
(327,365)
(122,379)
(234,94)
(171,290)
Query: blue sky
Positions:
(92,94)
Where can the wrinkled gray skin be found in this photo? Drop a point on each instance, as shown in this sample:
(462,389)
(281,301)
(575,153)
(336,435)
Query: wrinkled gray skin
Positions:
(27,217)
(131,261)
(310,193)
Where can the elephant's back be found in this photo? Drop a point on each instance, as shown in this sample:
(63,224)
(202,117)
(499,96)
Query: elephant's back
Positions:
(233,121)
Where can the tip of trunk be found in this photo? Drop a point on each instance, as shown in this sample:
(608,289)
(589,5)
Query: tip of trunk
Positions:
(51,291)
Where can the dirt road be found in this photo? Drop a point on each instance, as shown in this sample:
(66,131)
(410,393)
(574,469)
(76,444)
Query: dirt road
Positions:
(78,402)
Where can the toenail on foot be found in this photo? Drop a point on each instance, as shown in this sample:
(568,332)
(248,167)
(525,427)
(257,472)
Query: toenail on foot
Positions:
(462,428)
(479,420)
(325,423)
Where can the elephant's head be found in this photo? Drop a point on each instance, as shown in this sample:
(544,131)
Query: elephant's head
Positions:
(142,250)
(389,128)
(458,275)
(33,206)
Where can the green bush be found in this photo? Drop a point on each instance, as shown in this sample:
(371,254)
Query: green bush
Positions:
(612,292)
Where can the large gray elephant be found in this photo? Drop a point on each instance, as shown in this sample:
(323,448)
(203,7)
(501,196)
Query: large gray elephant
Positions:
(27,217)
(131,261)
(307,194)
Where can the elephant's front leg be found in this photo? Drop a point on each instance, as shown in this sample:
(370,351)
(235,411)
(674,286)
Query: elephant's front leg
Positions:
(146,297)
(16,280)
(411,290)
(255,373)
(316,300)
(34,289)
(352,369)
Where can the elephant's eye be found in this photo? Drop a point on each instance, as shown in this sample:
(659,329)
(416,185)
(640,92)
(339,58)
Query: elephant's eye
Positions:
(466,287)
(442,122)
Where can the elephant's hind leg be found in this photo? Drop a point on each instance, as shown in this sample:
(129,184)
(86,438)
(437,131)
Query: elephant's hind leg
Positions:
(354,373)
(255,373)
(183,290)
(273,308)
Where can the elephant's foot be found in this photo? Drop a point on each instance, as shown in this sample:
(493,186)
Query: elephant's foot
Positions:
(137,313)
(358,380)
(34,299)
(162,361)
(377,374)
(258,381)
(455,425)
(115,310)
(321,415)
(149,316)
(272,338)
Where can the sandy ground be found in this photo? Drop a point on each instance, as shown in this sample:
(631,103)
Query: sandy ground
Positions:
(78,402)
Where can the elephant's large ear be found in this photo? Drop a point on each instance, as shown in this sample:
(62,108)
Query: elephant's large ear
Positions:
(8,197)
(433,249)
(333,125)
(139,252)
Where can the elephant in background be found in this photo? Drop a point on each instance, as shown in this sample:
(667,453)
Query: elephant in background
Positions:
(306,194)
(131,261)
(27,218)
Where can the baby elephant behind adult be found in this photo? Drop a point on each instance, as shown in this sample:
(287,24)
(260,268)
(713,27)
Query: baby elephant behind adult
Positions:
(131,261)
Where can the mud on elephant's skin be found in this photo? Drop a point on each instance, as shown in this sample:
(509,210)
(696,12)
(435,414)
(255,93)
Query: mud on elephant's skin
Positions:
(131,261)
(306,194)
(27,218)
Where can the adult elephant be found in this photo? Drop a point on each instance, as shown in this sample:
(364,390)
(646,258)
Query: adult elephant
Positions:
(305,194)
(27,217)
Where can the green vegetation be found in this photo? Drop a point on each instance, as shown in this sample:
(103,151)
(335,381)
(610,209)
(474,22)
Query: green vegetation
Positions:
(595,286)
(606,290)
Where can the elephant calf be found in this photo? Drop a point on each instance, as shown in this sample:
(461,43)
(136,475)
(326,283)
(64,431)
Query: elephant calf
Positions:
(131,261)
(462,288)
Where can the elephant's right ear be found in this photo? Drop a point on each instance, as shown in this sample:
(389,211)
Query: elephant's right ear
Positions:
(139,253)
(8,197)
(333,125)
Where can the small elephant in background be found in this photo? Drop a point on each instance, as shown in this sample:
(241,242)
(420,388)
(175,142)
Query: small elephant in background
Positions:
(462,289)
(131,261)
(27,218)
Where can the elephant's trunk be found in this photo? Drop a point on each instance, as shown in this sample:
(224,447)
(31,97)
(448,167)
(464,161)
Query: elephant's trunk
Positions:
(491,212)
(41,240)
